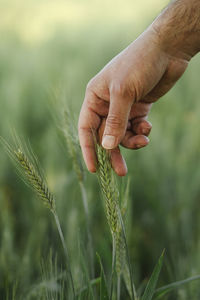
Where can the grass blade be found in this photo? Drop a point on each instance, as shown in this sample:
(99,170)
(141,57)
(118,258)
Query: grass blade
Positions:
(150,288)
(172,286)
(103,285)
(133,289)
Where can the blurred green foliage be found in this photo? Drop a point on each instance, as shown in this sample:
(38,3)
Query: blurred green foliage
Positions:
(164,178)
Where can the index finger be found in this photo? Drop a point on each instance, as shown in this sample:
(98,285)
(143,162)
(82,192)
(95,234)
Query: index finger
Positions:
(89,122)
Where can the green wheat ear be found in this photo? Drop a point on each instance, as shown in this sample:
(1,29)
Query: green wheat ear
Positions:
(108,187)
(29,171)
(35,181)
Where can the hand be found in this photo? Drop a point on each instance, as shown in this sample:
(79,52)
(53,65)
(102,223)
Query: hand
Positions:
(123,92)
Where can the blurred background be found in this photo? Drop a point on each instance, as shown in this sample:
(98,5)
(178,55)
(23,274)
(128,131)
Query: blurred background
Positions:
(49,50)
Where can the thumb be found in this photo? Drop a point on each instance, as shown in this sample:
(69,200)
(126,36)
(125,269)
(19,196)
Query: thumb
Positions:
(116,122)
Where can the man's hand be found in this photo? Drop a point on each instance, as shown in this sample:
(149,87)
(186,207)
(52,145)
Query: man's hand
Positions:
(123,92)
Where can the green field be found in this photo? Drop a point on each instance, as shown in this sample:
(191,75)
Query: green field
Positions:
(48,53)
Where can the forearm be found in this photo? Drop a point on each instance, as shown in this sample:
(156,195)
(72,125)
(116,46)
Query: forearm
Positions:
(178,28)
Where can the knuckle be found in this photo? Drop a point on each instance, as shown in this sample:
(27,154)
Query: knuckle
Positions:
(114,122)
(90,84)
(123,90)
(118,88)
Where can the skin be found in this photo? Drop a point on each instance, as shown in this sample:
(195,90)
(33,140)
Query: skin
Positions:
(119,98)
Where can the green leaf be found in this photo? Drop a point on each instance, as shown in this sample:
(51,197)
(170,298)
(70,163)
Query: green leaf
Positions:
(172,286)
(103,285)
(151,285)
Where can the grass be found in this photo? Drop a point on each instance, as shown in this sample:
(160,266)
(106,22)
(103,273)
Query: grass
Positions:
(29,170)
(163,206)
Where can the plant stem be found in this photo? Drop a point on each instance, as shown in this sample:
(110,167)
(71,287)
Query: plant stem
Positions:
(118,287)
(133,289)
(113,265)
(65,250)
(90,243)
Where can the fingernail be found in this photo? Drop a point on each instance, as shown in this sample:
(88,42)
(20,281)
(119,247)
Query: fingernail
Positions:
(108,142)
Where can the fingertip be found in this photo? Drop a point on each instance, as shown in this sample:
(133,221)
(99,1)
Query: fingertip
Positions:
(121,171)
(142,127)
(142,142)
(118,163)
(91,164)
(121,174)
(91,169)
(146,130)
(90,159)
(136,142)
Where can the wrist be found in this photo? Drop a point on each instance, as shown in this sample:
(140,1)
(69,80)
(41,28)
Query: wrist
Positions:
(178,29)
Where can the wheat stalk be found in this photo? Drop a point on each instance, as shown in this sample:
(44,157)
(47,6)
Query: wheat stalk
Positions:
(31,176)
(74,150)
(41,189)
(111,195)
(114,216)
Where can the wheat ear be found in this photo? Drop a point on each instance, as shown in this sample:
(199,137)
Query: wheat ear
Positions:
(35,180)
(108,187)
(120,253)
